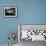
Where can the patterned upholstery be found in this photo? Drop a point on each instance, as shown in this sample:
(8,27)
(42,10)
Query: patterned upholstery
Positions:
(33,32)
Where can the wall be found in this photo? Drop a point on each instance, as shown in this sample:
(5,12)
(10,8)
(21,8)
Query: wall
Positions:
(29,12)
(7,25)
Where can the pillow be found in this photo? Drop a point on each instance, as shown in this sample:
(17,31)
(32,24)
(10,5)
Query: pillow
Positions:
(24,34)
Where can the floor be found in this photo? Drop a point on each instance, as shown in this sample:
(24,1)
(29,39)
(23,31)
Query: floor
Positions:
(30,43)
(7,45)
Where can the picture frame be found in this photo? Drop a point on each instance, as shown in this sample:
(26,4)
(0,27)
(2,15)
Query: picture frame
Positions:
(10,11)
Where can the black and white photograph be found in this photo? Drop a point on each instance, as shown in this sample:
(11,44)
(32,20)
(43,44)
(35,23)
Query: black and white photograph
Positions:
(10,11)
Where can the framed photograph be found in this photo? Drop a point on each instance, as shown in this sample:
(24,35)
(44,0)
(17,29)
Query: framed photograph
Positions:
(10,11)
